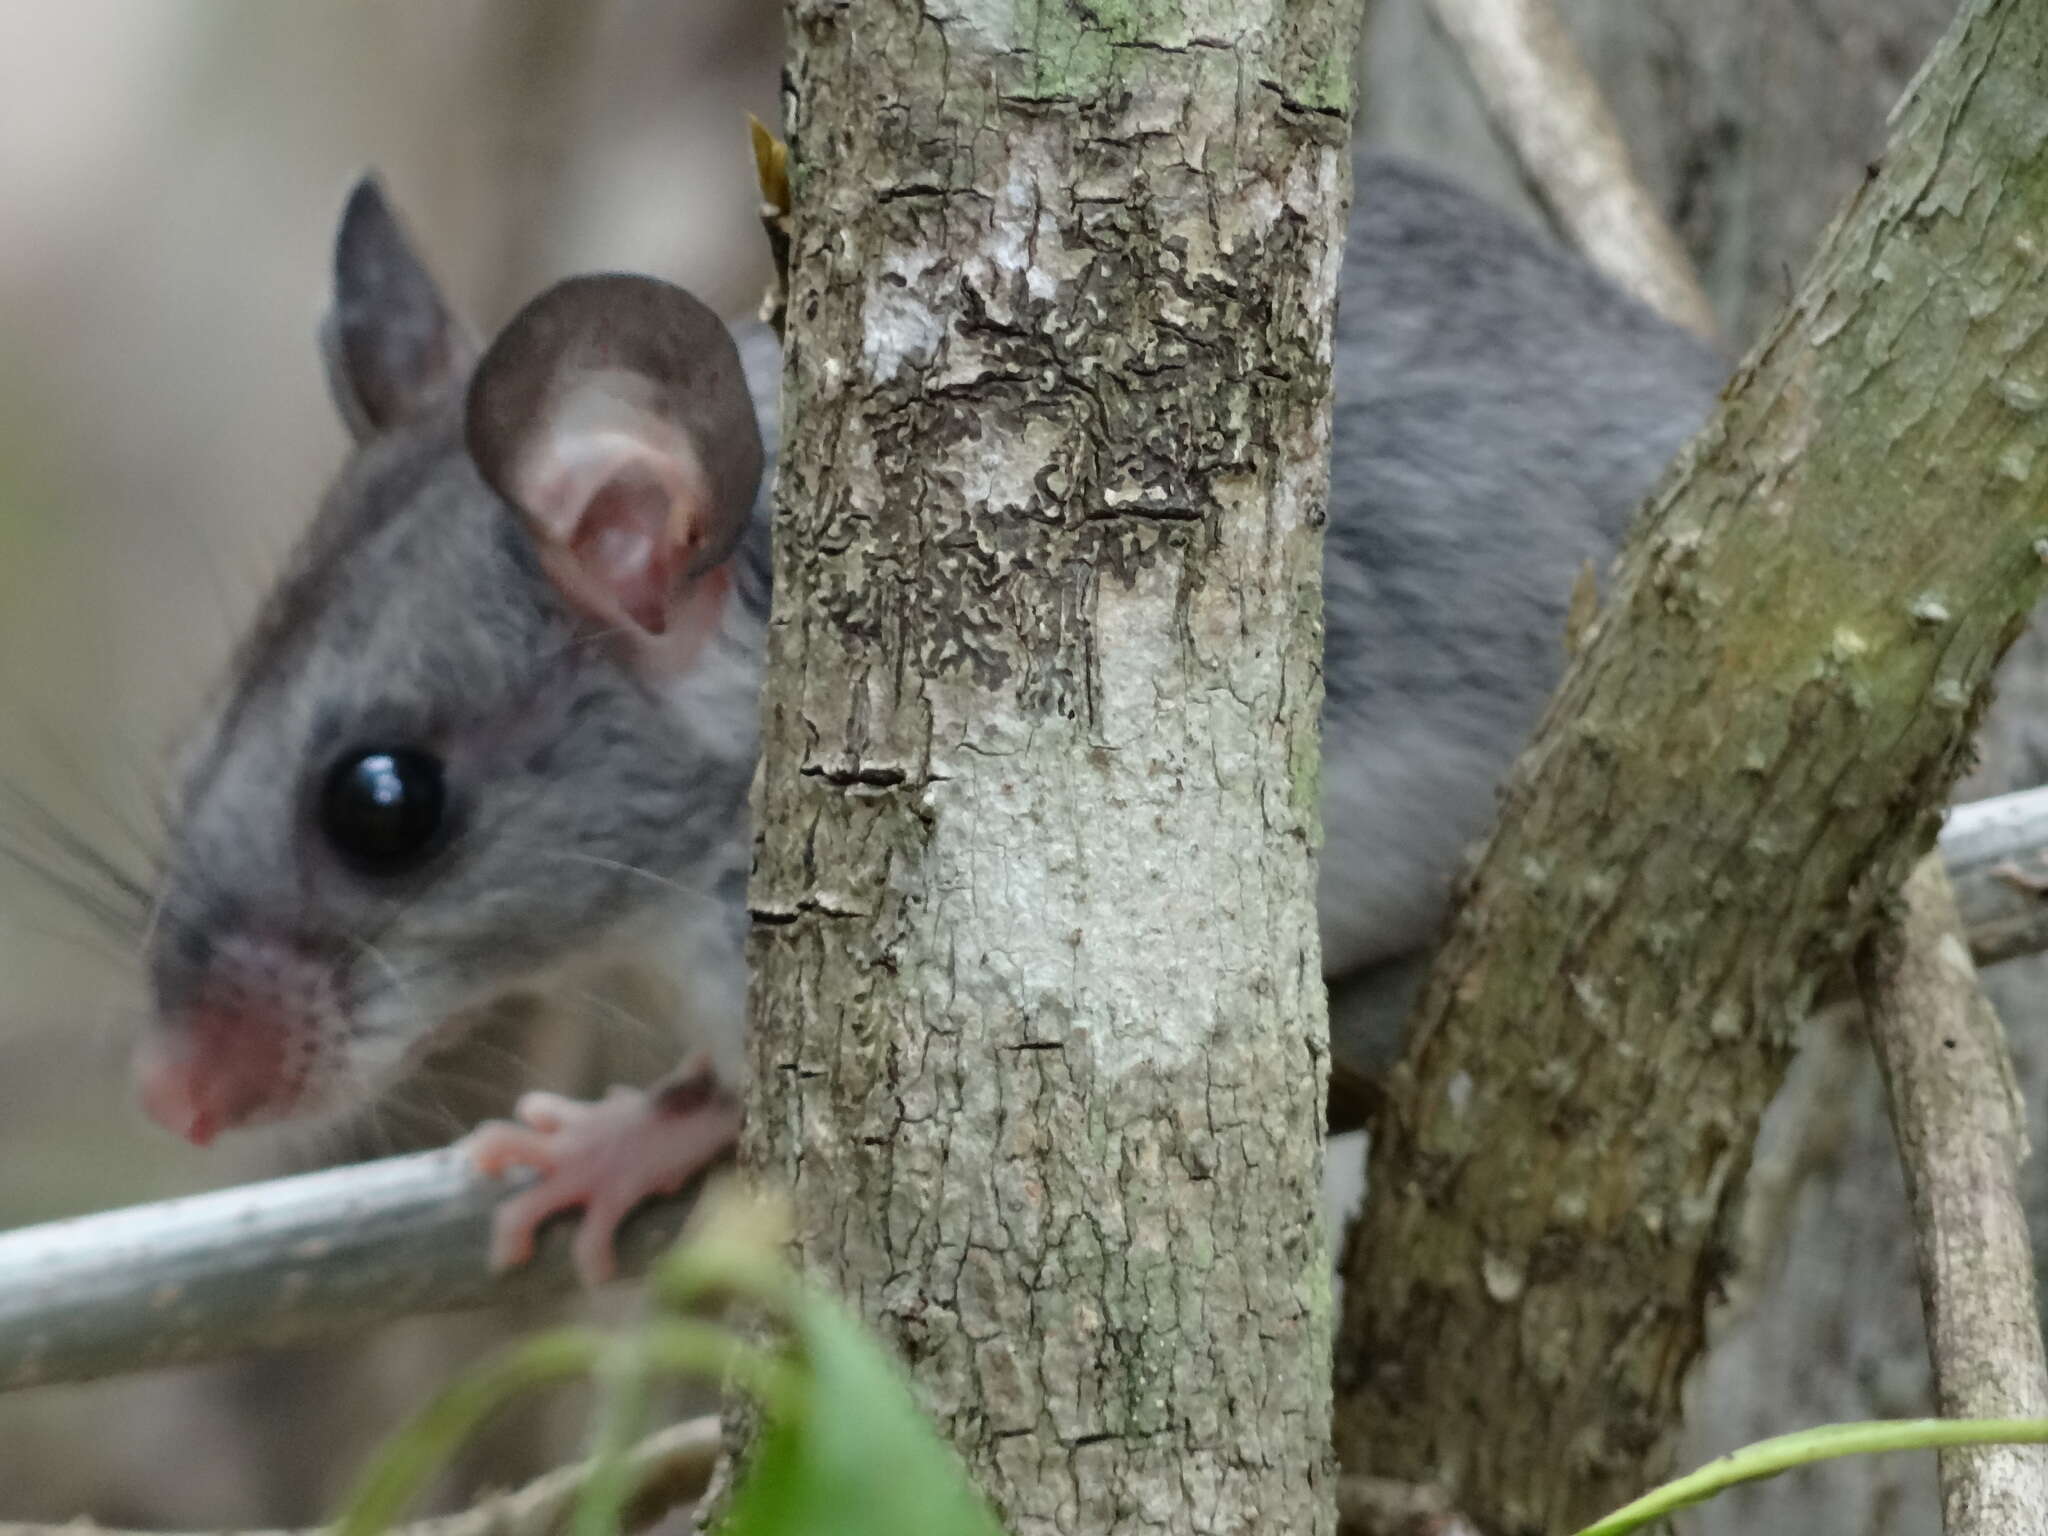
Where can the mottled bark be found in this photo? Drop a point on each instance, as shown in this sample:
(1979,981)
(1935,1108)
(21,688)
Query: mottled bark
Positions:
(1747,755)
(1038,1019)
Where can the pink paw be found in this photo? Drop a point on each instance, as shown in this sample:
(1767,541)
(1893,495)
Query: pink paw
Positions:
(605,1157)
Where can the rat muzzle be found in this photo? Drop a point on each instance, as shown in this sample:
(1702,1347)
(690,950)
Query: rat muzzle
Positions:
(214,1070)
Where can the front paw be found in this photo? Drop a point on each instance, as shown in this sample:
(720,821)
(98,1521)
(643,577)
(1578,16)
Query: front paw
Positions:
(604,1157)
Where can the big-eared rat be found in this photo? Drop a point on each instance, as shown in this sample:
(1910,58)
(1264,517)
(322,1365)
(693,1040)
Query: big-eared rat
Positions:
(497,719)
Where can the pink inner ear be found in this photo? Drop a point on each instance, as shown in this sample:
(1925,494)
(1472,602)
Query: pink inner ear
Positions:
(622,541)
(621,489)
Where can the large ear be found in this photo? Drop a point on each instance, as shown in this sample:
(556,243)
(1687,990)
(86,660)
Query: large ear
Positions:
(393,349)
(614,413)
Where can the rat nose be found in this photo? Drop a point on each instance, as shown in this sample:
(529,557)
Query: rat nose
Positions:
(173,1092)
(210,1073)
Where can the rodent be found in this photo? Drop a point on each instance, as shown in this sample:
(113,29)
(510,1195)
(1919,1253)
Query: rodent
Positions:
(498,717)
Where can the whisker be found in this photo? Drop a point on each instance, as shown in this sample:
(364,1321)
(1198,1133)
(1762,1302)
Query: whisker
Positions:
(486,832)
(644,1028)
(64,833)
(391,1114)
(401,984)
(94,888)
(106,945)
(86,780)
(516,1067)
(107,1029)
(577,856)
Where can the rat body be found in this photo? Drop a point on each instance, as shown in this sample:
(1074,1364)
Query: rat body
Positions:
(496,723)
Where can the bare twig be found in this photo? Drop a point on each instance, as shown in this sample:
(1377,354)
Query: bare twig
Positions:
(1961,1137)
(1548,108)
(263,1266)
(1996,852)
(670,1469)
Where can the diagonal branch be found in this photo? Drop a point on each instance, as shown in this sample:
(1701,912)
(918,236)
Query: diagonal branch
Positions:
(1545,103)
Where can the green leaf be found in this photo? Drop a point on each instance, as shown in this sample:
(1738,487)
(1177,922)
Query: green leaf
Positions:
(846,1451)
(853,1455)
(624,1364)
(1767,1458)
(413,1455)
(622,1418)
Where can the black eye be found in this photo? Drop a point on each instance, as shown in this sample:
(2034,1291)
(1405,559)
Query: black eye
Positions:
(381,809)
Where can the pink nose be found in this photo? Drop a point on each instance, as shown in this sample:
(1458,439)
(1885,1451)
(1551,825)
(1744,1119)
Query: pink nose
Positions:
(215,1073)
(174,1093)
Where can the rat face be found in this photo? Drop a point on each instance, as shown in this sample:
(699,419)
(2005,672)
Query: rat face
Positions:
(496,716)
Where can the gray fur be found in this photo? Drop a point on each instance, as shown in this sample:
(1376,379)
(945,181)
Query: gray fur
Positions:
(416,612)
(392,348)
(1500,411)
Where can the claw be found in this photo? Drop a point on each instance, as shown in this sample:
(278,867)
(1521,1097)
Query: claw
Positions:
(604,1157)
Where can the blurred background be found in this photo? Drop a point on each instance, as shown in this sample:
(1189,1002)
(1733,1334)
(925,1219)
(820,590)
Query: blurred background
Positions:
(170,171)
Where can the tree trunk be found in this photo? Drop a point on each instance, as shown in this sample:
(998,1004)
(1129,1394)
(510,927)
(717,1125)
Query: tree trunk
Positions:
(1741,765)
(1038,1018)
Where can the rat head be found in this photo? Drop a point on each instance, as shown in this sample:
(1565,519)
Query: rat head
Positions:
(497,711)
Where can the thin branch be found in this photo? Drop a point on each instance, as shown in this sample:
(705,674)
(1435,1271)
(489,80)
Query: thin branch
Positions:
(1961,1132)
(670,1469)
(1996,852)
(264,1266)
(1546,105)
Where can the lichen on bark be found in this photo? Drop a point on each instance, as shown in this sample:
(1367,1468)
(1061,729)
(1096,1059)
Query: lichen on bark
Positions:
(1038,1018)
